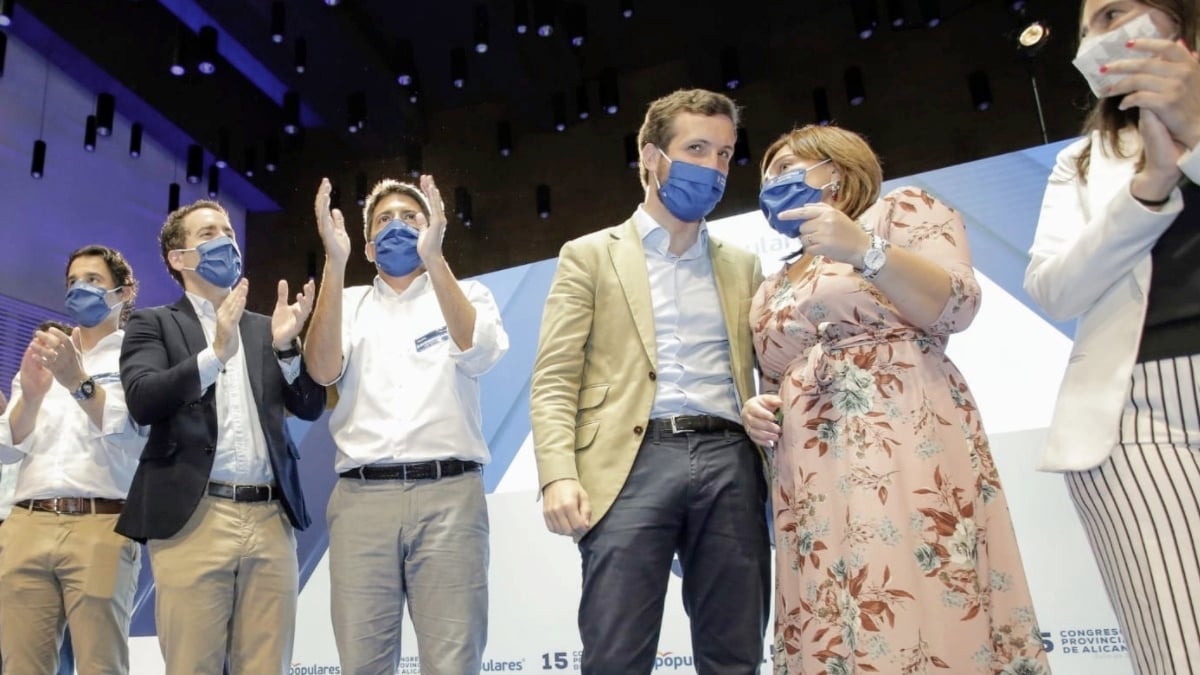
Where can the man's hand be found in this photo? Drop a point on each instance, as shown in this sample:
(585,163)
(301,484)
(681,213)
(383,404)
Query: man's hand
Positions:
(229,314)
(56,351)
(567,508)
(332,226)
(35,377)
(287,320)
(429,244)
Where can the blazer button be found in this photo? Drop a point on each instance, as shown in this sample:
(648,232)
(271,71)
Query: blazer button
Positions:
(653,376)
(208,449)
(638,429)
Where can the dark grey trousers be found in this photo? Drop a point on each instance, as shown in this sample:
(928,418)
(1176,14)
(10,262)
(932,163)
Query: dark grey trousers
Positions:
(701,496)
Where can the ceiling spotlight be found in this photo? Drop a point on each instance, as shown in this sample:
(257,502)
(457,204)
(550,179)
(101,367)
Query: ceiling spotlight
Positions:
(458,67)
(271,154)
(278,18)
(135,140)
(741,148)
(412,156)
(543,201)
(821,106)
(360,188)
(206,61)
(356,111)
(222,155)
(632,158)
(3,51)
(195,163)
(1033,38)
(931,12)
(575,21)
(214,181)
(301,59)
(37,168)
(6,12)
(481,29)
(560,111)
(609,95)
(855,92)
(731,70)
(582,102)
(179,53)
(897,14)
(543,17)
(403,64)
(866,18)
(981,90)
(504,138)
(172,197)
(251,164)
(521,16)
(89,134)
(462,205)
(414,89)
(106,106)
(627,9)
(331,3)
(291,112)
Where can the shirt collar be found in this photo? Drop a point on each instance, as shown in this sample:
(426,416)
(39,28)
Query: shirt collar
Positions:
(656,238)
(414,288)
(203,307)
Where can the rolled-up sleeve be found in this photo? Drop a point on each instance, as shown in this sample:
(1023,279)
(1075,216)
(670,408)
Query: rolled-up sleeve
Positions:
(489,341)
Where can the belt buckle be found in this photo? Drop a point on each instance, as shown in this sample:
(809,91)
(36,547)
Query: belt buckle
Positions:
(675,425)
(269,487)
(437,469)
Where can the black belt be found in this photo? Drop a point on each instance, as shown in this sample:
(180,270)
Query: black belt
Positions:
(700,424)
(242,493)
(415,471)
(73,505)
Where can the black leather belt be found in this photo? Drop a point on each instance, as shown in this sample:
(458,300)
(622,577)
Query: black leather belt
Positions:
(242,493)
(73,505)
(699,424)
(415,471)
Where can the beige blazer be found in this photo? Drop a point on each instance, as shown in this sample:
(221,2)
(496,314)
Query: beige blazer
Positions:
(1090,260)
(593,380)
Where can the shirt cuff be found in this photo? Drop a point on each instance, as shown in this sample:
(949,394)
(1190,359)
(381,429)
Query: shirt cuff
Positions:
(208,366)
(290,368)
(114,419)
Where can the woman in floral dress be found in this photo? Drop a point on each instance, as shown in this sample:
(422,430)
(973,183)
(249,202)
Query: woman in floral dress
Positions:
(895,551)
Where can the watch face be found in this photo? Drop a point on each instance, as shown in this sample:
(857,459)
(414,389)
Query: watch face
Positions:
(87,389)
(874,258)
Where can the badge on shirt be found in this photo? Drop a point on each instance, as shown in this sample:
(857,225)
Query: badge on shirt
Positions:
(432,338)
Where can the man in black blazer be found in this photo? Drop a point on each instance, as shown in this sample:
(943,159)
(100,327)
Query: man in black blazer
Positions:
(217,491)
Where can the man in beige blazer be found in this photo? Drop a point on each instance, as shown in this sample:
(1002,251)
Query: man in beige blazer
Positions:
(643,363)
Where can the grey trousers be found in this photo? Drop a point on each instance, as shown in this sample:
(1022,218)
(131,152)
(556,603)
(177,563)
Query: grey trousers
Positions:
(421,540)
(703,497)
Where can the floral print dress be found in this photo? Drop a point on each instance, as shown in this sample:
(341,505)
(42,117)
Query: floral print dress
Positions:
(895,551)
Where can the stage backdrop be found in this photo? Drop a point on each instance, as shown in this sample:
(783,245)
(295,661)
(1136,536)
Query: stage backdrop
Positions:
(1012,356)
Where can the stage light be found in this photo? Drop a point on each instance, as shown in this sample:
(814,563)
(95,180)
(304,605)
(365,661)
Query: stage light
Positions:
(855,91)
(271,154)
(559,101)
(195,163)
(214,181)
(37,168)
(403,64)
(291,112)
(543,201)
(6,12)
(821,106)
(222,155)
(301,55)
(632,157)
(866,17)
(278,20)
(481,29)
(89,134)
(981,90)
(206,61)
(741,148)
(3,51)
(179,53)
(135,140)
(106,107)
(581,101)
(521,16)
(1033,38)
(504,138)
(543,17)
(897,13)
(575,23)
(627,9)
(931,12)
(458,67)
(172,197)
(412,155)
(251,163)
(360,188)
(356,111)
(462,205)
(731,69)
(609,95)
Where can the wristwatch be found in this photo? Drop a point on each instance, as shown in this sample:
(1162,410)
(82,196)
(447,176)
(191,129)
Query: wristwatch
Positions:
(86,390)
(875,257)
(291,352)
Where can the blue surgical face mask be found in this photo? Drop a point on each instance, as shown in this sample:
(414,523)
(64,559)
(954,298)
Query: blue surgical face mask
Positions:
(220,262)
(691,191)
(788,191)
(396,249)
(87,304)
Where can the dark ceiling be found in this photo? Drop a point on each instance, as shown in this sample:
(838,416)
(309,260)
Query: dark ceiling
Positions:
(917,110)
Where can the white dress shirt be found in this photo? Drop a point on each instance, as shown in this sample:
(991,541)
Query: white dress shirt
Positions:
(65,455)
(694,375)
(8,488)
(407,393)
(241,455)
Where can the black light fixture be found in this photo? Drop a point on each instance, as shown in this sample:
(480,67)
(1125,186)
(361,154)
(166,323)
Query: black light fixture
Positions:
(206,59)
(504,138)
(897,14)
(575,23)
(403,64)
(106,105)
(632,157)
(37,169)
(731,69)
(222,154)
(521,16)
(356,111)
(821,106)
(271,154)
(278,20)
(135,140)
(412,156)
(89,134)
(251,163)
(609,96)
(195,163)
(3,51)
(866,17)
(6,12)
(301,56)
(172,197)
(179,53)
(582,102)
(543,201)
(559,102)
(462,205)
(856,93)
(214,181)
(414,89)
(481,29)
(291,112)
(543,17)
(458,67)
(931,12)
(1032,39)
(360,188)
(741,148)
(627,9)
(981,90)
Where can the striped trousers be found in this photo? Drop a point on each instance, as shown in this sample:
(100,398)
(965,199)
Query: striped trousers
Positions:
(1141,512)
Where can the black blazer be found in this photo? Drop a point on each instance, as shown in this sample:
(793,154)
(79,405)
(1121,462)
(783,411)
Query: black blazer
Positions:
(162,390)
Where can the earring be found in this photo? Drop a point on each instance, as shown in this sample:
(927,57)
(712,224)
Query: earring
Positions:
(833,189)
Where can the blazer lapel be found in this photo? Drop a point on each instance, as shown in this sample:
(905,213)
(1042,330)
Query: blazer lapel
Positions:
(255,348)
(189,325)
(1107,175)
(728,284)
(629,261)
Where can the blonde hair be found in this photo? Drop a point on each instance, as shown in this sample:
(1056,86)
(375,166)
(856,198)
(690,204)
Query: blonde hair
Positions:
(861,172)
(659,126)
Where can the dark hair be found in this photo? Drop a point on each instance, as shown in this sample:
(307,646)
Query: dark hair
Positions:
(53,323)
(390,186)
(118,267)
(659,126)
(173,236)
(1105,117)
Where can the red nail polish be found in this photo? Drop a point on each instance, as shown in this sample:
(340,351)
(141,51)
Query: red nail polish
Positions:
(1129,44)
(1104,69)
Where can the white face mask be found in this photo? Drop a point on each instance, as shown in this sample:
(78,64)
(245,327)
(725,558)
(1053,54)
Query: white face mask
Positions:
(1098,50)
